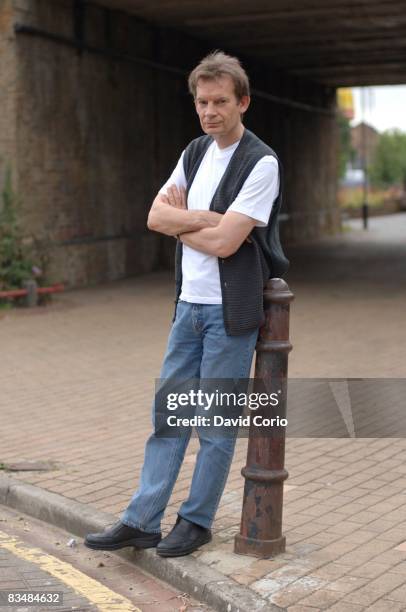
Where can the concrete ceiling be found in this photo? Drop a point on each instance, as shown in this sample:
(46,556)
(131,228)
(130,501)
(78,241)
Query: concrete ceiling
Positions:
(336,42)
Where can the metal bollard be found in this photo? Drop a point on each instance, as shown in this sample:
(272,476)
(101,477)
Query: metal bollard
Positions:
(365,212)
(261,520)
(31,298)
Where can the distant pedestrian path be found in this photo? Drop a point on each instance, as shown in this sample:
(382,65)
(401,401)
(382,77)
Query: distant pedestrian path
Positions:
(348,316)
(376,256)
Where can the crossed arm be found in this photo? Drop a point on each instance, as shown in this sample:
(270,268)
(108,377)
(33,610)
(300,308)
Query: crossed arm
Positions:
(203,230)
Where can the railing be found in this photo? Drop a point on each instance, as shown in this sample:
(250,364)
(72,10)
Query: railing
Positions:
(31,291)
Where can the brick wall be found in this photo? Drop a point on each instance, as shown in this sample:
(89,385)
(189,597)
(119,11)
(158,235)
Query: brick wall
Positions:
(7,93)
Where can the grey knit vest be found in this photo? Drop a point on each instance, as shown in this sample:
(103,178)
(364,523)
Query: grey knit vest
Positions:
(244,274)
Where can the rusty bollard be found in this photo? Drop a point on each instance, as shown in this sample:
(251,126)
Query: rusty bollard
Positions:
(261,520)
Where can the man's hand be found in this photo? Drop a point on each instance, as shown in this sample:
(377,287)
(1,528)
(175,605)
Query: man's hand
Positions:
(177,197)
(169,214)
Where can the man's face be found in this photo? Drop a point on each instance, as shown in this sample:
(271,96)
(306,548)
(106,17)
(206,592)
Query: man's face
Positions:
(218,108)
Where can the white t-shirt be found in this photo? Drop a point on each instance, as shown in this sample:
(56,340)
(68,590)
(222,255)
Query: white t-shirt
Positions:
(200,272)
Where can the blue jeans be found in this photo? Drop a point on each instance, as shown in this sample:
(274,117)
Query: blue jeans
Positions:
(198,347)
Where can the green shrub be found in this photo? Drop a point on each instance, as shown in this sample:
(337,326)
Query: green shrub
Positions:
(15,258)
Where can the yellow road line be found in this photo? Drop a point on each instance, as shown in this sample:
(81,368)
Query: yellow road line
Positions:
(96,593)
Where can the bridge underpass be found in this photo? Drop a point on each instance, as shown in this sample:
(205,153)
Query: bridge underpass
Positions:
(96,110)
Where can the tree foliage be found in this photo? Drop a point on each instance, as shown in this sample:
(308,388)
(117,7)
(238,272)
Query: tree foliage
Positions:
(389,162)
(346,152)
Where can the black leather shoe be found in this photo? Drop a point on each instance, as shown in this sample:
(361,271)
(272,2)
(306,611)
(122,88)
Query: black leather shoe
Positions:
(184,538)
(119,536)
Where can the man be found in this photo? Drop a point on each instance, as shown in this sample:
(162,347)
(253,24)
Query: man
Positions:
(221,202)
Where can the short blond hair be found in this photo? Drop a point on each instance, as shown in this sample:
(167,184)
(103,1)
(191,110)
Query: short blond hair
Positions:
(217,64)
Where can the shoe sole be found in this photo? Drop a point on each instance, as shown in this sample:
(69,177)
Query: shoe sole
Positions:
(134,543)
(181,552)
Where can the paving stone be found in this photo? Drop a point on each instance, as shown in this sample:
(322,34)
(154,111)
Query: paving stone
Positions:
(300,608)
(385,605)
(343,606)
(398,594)
(346,584)
(227,562)
(363,596)
(322,598)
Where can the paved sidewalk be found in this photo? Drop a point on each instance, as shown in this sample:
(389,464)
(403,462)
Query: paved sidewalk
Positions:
(76,385)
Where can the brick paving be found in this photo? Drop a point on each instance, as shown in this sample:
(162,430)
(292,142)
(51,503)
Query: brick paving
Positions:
(76,386)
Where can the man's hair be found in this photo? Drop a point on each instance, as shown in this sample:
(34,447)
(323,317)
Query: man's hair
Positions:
(216,65)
